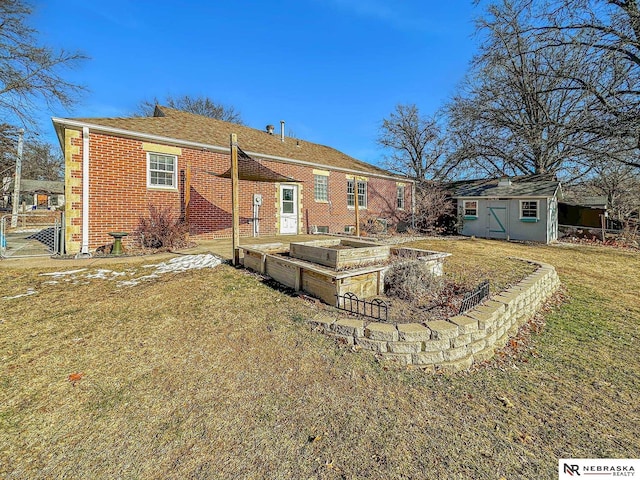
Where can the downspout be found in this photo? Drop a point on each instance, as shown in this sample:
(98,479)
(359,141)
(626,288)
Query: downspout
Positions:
(413,205)
(84,250)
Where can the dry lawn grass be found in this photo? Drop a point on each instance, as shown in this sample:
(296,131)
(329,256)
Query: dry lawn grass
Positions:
(211,374)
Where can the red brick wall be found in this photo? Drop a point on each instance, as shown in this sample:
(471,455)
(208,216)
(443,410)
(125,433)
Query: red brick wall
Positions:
(118,194)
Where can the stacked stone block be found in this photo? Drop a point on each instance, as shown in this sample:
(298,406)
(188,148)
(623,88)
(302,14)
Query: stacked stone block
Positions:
(458,342)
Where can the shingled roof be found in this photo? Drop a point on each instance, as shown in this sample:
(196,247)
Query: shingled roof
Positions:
(521,186)
(177,125)
(37,186)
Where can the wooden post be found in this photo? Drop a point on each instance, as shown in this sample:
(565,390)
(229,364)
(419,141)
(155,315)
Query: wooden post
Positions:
(187,197)
(234,199)
(356,204)
(603,224)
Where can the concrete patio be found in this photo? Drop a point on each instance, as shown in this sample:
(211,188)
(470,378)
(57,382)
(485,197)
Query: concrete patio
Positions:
(221,247)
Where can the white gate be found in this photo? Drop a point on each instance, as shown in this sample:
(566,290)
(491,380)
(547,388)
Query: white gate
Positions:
(30,234)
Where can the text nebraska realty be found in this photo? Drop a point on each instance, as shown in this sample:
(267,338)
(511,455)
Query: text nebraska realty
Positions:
(613,470)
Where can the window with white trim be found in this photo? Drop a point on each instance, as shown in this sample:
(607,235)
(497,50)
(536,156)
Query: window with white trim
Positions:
(162,170)
(470,208)
(400,197)
(321,188)
(362,194)
(529,209)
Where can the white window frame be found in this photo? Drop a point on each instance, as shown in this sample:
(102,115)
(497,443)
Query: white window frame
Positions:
(174,179)
(316,190)
(464,209)
(363,196)
(537,203)
(400,192)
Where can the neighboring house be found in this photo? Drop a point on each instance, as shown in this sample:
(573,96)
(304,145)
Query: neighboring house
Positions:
(517,208)
(36,194)
(115,168)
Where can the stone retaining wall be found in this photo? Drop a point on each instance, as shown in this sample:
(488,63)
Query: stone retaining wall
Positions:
(456,343)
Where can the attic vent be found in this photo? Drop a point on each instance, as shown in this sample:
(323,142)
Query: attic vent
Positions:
(504,182)
(270,129)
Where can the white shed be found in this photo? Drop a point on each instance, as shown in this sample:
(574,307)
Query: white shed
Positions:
(509,208)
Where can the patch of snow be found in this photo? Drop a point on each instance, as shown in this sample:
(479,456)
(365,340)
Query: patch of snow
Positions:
(62,274)
(104,274)
(30,291)
(187,262)
(136,281)
(177,265)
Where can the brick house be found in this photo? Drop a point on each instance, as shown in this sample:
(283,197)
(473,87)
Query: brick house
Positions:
(115,168)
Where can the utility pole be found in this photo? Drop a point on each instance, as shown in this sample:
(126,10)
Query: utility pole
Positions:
(16,180)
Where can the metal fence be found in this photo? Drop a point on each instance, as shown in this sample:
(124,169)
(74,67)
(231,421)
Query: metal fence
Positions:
(30,234)
(474,297)
(376,308)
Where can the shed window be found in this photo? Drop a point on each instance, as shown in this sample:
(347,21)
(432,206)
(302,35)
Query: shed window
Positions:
(470,208)
(162,170)
(529,210)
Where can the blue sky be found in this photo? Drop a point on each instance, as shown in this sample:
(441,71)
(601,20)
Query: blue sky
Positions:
(332,69)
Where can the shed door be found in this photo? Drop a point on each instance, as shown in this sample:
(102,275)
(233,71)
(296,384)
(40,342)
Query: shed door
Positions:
(288,209)
(497,213)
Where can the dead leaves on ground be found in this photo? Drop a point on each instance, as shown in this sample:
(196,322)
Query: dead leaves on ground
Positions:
(75,377)
(505,401)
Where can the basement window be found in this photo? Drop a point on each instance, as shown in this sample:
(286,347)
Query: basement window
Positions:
(162,171)
(529,211)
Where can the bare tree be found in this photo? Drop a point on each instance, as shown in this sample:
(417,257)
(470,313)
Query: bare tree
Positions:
(608,34)
(30,73)
(199,105)
(619,183)
(8,147)
(515,114)
(42,161)
(414,144)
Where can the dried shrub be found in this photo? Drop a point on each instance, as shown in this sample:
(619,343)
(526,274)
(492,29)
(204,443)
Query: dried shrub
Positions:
(413,281)
(630,234)
(162,230)
(372,225)
(435,212)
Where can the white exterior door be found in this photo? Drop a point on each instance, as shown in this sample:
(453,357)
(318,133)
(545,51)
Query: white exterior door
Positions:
(288,209)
